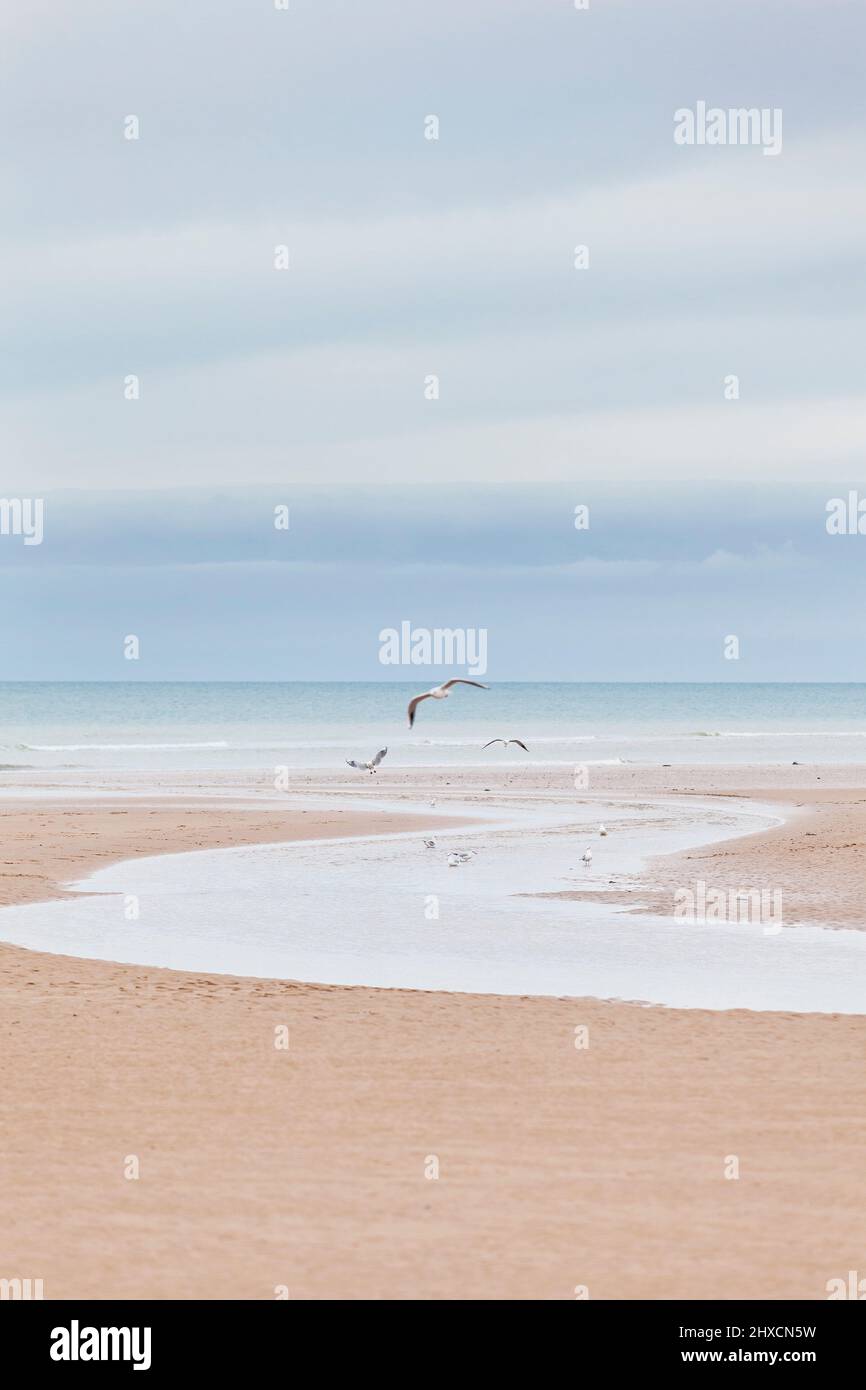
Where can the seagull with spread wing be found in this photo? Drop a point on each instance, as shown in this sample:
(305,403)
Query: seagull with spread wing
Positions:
(371,765)
(506,742)
(439,692)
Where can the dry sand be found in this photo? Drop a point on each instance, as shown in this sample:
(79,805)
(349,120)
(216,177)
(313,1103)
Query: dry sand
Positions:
(559,1167)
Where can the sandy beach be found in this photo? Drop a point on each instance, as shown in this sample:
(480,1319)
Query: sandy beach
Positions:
(560,1168)
(432,709)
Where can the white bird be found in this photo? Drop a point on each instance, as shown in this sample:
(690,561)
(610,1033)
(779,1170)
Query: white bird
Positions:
(602,830)
(586,858)
(371,765)
(429,844)
(460,856)
(433,802)
(439,692)
(506,741)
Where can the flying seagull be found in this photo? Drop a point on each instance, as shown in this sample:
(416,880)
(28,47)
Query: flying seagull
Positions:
(506,741)
(439,692)
(371,765)
(429,844)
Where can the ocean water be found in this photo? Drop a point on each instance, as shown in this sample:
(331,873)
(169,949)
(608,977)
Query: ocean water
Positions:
(355,911)
(232,725)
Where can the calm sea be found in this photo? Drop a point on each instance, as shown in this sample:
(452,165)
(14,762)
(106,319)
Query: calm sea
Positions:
(176,725)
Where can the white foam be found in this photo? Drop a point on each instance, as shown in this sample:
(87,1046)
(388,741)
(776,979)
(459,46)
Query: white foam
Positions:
(113,747)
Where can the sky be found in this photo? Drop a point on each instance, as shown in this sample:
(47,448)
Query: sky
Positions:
(412,258)
(650,589)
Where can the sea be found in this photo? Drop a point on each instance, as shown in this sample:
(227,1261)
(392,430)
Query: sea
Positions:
(518,912)
(175,726)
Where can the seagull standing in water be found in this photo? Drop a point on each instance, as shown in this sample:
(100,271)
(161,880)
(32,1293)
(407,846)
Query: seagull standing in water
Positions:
(439,692)
(371,765)
(460,856)
(586,857)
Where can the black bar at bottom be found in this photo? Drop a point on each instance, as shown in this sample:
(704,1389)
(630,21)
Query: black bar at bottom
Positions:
(156,1338)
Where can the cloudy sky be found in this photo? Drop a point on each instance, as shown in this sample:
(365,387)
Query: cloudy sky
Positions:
(650,591)
(412,257)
